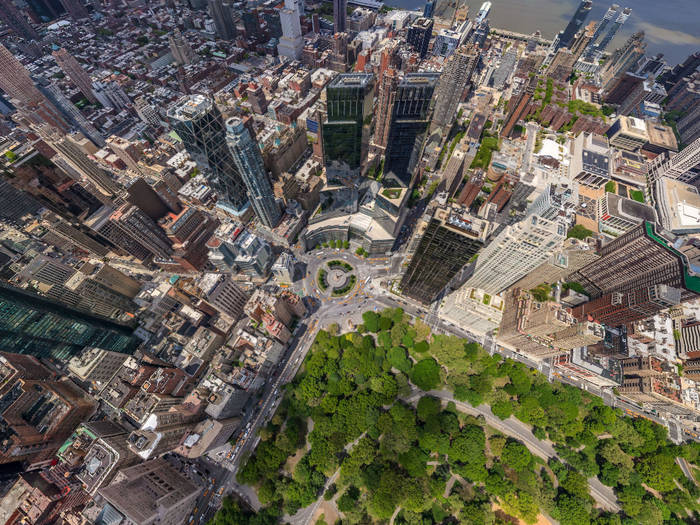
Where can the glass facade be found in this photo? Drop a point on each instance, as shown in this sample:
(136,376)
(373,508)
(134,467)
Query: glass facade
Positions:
(200,125)
(409,122)
(349,100)
(249,160)
(38,326)
(442,252)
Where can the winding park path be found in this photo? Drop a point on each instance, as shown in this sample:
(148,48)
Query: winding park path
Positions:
(517,429)
(511,427)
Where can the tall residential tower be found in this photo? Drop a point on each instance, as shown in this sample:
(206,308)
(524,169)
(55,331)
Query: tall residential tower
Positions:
(248,159)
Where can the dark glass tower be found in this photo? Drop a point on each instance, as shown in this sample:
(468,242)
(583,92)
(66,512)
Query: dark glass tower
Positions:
(15,20)
(419,35)
(346,133)
(41,327)
(248,159)
(200,125)
(451,239)
(222,14)
(410,117)
(251,24)
(575,24)
(429,9)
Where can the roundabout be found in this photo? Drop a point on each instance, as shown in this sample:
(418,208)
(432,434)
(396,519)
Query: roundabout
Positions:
(336,278)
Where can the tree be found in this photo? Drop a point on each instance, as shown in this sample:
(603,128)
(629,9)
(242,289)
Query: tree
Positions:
(579,232)
(428,408)
(371,321)
(346,502)
(346,245)
(521,505)
(516,456)
(333,329)
(385,324)
(397,357)
(11,156)
(571,512)
(426,374)
(658,472)
(421,347)
(496,443)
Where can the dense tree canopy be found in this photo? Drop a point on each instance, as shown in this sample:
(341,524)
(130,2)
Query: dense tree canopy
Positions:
(393,455)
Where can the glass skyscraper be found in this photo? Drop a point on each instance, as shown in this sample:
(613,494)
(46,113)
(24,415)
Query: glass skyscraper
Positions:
(199,123)
(41,327)
(248,159)
(410,117)
(349,100)
(451,239)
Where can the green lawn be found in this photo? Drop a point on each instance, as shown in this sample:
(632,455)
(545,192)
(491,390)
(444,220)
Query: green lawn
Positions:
(637,195)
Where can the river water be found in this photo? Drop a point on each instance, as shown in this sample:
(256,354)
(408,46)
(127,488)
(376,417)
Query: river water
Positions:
(672,26)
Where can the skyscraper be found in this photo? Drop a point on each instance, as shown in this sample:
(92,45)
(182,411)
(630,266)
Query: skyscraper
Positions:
(615,309)
(181,49)
(149,493)
(419,35)
(291,44)
(345,135)
(643,257)
(133,231)
(69,111)
(80,162)
(77,74)
(575,24)
(16,20)
(15,204)
(75,9)
(409,119)
(248,159)
(623,59)
(274,23)
(515,252)
(251,24)
(340,16)
(453,81)
(199,123)
(224,21)
(678,165)
(37,417)
(451,238)
(31,103)
(387,94)
(429,9)
(38,326)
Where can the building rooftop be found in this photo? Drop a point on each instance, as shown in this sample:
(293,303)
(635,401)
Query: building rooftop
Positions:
(596,163)
(679,205)
(629,209)
(660,135)
(351,80)
(189,107)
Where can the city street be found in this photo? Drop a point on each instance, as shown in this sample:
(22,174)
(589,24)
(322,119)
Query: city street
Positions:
(323,310)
